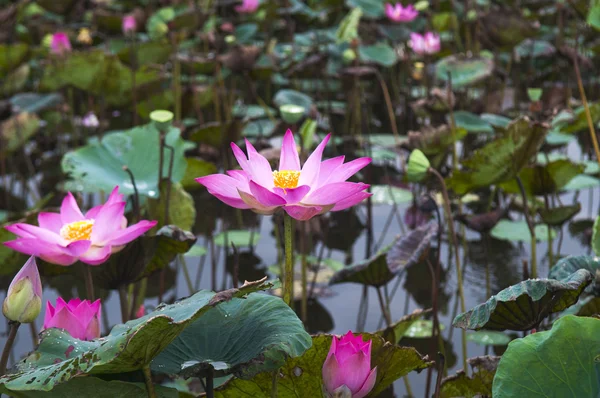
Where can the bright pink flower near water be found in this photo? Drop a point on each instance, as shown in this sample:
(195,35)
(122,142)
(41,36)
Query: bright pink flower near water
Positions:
(429,43)
(60,43)
(65,237)
(80,318)
(303,192)
(247,6)
(349,364)
(140,312)
(129,24)
(397,13)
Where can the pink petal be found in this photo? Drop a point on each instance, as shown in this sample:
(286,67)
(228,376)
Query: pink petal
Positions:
(238,203)
(332,374)
(72,304)
(368,385)
(303,213)
(289,159)
(92,330)
(261,168)
(31,231)
(64,319)
(46,251)
(69,210)
(96,255)
(130,233)
(256,205)
(310,171)
(294,195)
(327,168)
(50,221)
(356,369)
(106,224)
(221,184)
(332,347)
(347,170)
(333,193)
(264,196)
(28,271)
(77,248)
(241,158)
(351,200)
(49,314)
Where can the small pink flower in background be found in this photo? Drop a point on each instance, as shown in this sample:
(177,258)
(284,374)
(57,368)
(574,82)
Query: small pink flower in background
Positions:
(247,6)
(429,43)
(23,301)
(60,43)
(140,312)
(90,120)
(129,24)
(348,364)
(80,318)
(65,237)
(397,13)
(316,188)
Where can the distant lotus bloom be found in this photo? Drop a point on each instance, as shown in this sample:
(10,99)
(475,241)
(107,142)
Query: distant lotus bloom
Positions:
(84,36)
(348,366)
(65,237)
(429,43)
(90,120)
(23,301)
(129,24)
(397,13)
(247,6)
(60,43)
(80,318)
(314,189)
(140,312)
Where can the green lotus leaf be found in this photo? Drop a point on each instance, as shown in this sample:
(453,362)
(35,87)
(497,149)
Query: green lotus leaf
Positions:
(293,97)
(435,141)
(496,120)
(518,231)
(381,54)
(182,210)
(546,178)
(12,55)
(34,102)
(586,306)
(411,248)
(389,195)
(580,182)
(472,122)
(398,329)
(556,363)
(240,238)
(524,305)
(464,70)
(147,53)
(566,266)
(477,385)
(488,337)
(557,216)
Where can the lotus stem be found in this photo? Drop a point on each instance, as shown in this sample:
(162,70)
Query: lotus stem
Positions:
(176,79)
(390,108)
(588,114)
(288,283)
(133,60)
(12,333)
(210,382)
(274,384)
(124,304)
(149,384)
(34,333)
(186,274)
(531,228)
(304,305)
(386,314)
(89,282)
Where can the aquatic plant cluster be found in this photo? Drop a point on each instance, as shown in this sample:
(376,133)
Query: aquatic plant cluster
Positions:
(140,140)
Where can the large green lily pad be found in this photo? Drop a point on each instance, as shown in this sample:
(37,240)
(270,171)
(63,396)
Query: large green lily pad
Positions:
(518,231)
(389,195)
(566,266)
(557,216)
(242,336)
(434,141)
(560,362)
(301,377)
(128,347)
(98,166)
(472,122)
(545,179)
(181,212)
(412,248)
(464,70)
(500,160)
(380,53)
(524,305)
(477,385)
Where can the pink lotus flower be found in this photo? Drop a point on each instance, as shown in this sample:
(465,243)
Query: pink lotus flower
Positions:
(314,189)
(60,43)
(129,24)
(429,43)
(397,13)
(23,300)
(247,6)
(140,312)
(65,237)
(80,318)
(348,364)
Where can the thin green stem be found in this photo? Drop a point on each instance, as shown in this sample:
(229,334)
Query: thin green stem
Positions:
(274,384)
(304,305)
(531,228)
(12,333)
(288,282)
(149,384)
(89,282)
(124,304)
(186,274)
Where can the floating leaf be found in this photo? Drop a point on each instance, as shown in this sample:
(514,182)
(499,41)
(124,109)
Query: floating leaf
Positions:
(302,376)
(557,216)
(245,337)
(147,53)
(545,179)
(196,167)
(518,231)
(501,159)
(464,70)
(472,123)
(555,363)
(411,248)
(397,330)
(582,182)
(380,53)
(496,120)
(98,166)
(181,212)
(128,347)
(479,385)
(34,102)
(421,329)
(488,337)
(434,141)
(373,271)
(239,238)
(293,97)
(568,265)
(524,305)
(389,195)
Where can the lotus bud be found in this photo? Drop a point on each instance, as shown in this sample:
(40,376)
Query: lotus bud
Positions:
(23,301)
(129,25)
(349,56)
(418,165)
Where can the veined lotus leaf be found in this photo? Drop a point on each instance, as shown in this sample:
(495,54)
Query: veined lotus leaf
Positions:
(301,377)
(479,384)
(524,305)
(472,122)
(545,179)
(128,347)
(518,231)
(196,167)
(373,271)
(150,52)
(464,70)
(557,216)
(389,195)
(12,55)
(488,337)
(98,166)
(98,388)
(434,141)
(397,330)
(579,123)
(500,160)
(556,363)
(411,248)
(566,266)
(588,306)
(243,337)
(181,212)
(380,53)
(17,131)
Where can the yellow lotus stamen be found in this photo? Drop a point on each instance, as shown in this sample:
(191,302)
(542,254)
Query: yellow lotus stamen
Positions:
(78,230)
(286,179)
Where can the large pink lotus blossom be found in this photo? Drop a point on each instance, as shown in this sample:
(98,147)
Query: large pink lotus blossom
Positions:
(247,6)
(60,43)
(129,24)
(397,13)
(65,237)
(429,43)
(348,364)
(80,318)
(303,193)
